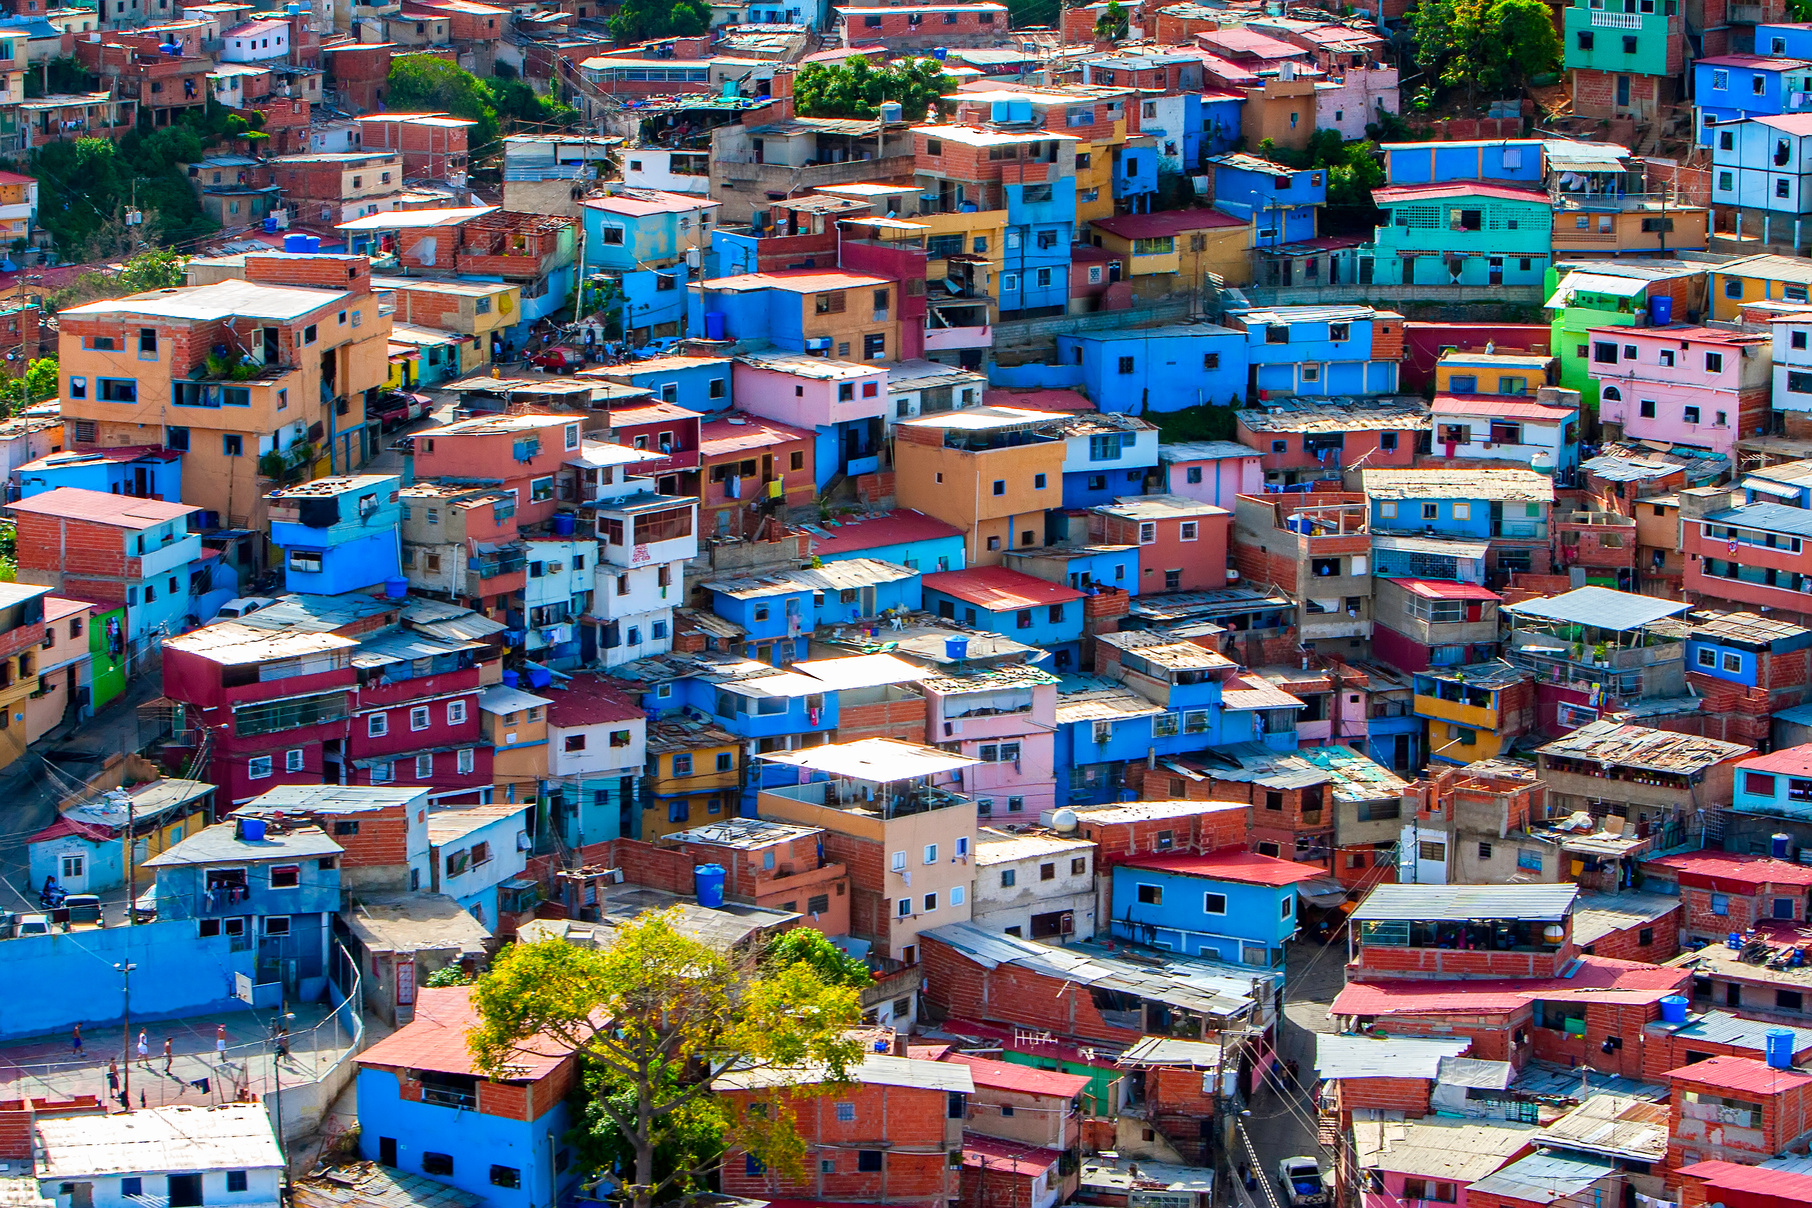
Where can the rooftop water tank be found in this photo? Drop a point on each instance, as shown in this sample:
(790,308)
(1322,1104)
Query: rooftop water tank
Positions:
(1779,1048)
(710,881)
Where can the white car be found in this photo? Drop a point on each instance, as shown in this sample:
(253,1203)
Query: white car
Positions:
(242,606)
(1300,1179)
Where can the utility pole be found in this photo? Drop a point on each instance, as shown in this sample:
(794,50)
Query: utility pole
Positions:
(125,970)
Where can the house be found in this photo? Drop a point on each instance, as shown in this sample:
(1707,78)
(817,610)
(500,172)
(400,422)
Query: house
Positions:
(479,311)
(1507,508)
(382,831)
(83,850)
(1509,161)
(1316,549)
(1757,166)
(1465,233)
(144,471)
(694,771)
(990,471)
(1037,885)
(1180,250)
(1419,623)
(1004,718)
(1749,280)
(1625,70)
(596,748)
(1541,432)
(840,403)
(425,1108)
(1009,602)
(667,430)
(461,543)
(432,145)
(1731,88)
(780,612)
(1745,666)
(1615,293)
(1247,911)
(1437,1155)
(332,187)
(750,468)
(514,724)
(1320,350)
(697,383)
(1469,371)
(337,534)
(811,311)
(1683,384)
(1791,396)
(1721,892)
(522,453)
(399,942)
(224,1154)
(1480,822)
(1211,471)
(1101,726)
(1474,711)
(474,849)
(1596,651)
(274,882)
(892,1127)
(1182,542)
(112,550)
(905,839)
(774,866)
(916,387)
(1660,775)
(1736,1109)
(1280,202)
(1307,440)
(1159,368)
(901,536)
(641,239)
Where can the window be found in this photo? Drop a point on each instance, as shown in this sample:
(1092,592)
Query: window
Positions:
(1759,783)
(1645,408)
(258,767)
(424,767)
(1714,362)
(1690,414)
(930,902)
(419,718)
(1038,482)
(931,853)
(868,1161)
(276,924)
(232,445)
(575,742)
(505,1176)
(294,761)
(1214,903)
(116,390)
(1720,903)
(846,1113)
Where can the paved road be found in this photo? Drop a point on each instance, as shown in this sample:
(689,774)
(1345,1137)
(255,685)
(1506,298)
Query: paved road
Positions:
(1282,1125)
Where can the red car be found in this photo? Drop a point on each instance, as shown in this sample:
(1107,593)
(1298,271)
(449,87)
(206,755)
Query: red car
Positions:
(559,359)
(397,408)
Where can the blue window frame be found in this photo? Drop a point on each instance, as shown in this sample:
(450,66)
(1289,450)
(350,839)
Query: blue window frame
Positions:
(119,390)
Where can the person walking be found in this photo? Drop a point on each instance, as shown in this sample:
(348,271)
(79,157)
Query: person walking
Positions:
(75,1040)
(113,1077)
(169,1052)
(220,1042)
(144,1049)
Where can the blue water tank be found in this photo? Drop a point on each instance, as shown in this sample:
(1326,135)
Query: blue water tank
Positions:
(539,676)
(563,524)
(295,242)
(270,225)
(1660,311)
(252,831)
(1734,942)
(940,53)
(710,879)
(511,679)
(1779,1048)
(396,589)
(1780,846)
(956,648)
(714,325)
(314,244)
(1673,1008)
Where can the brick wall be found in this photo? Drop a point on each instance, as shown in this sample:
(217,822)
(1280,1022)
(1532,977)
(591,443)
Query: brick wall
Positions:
(1407,1095)
(907,1125)
(72,550)
(1377,962)
(1626,943)
(1009,994)
(1616,1025)
(351,274)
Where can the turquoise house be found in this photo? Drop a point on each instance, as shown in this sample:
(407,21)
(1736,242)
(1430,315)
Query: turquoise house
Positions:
(1467,232)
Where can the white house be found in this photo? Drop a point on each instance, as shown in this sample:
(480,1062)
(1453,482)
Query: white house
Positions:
(1037,887)
(222,1156)
(1792,363)
(1543,433)
(255,42)
(918,387)
(557,590)
(646,540)
(476,848)
(595,731)
(1763,166)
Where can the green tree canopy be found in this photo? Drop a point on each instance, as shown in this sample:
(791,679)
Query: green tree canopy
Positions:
(856,88)
(646,20)
(810,946)
(1485,46)
(655,1014)
(1113,24)
(424,82)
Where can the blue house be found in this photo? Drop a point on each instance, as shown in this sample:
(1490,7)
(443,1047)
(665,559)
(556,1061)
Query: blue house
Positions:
(1792,41)
(1084,567)
(1135,176)
(1283,200)
(1738,647)
(644,228)
(697,383)
(1014,605)
(778,613)
(1319,350)
(771,711)
(1510,161)
(1102,725)
(425,1110)
(1472,505)
(1041,225)
(476,848)
(338,534)
(1158,368)
(273,885)
(83,849)
(1234,906)
(1106,456)
(1730,88)
(903,537)
(147,471)
(1204,702)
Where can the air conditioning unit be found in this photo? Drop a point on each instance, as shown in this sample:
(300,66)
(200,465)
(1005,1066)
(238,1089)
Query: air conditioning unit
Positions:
(554,568)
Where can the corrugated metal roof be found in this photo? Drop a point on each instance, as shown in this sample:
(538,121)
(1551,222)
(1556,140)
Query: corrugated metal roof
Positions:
(845,574)
(1542,1178)
(1613,1126)
(1596,915)
(880,760)
(1430,545)
(1162,1050)
(1618,744)
(1470,1071)
(1340,1055)
(1720,1027)
(1601,607)
(1539,903)
(877,1069)
(1458,1151)
(230,1136)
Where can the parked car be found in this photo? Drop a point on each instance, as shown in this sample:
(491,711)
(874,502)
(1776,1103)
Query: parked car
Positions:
(397,408)
(561,358)
(242,606)
(1300,1180)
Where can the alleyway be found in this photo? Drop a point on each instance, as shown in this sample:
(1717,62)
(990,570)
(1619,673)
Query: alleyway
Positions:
(1282,1125)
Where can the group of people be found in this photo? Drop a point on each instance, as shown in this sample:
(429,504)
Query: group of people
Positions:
(144,1058)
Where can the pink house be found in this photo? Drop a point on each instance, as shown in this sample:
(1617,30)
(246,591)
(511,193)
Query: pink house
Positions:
(1182,542)
(841,401)
(1007,718)
(1212,471)
(1434,1158)
(1682,384)
(527,452)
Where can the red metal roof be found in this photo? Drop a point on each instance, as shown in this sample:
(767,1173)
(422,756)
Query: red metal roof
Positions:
(1394,194)
(1794,761)
(1037,400)
(1242,867)
(898,527)
(1501,406)
(1783,1187)
(1751,61)
(1437,589)
(650,413)
(1007,1157)
(1725,871)
(1165,222)
(436,1039)
(588,701)
(1595,979)
(722,437)
(1730,1072)
(1004,1075)
(66,825)
(997,589)
(102,507)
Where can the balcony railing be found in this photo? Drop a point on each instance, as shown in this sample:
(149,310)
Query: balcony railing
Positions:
(1606,20)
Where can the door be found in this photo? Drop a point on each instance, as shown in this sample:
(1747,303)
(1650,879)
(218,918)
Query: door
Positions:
(73,873)
(81,1195)
(1497,270)
(386,1151)
(868,601)
(1623,92)
(185,1191)
(141,485)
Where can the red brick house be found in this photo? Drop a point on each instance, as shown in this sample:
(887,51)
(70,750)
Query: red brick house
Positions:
(1724,892)
(1736,1109)
(1182,542)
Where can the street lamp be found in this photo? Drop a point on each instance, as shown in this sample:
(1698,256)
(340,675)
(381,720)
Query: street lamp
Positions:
(279,1046)
(124,969)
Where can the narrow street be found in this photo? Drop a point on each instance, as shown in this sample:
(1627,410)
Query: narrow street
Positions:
(1282,1125)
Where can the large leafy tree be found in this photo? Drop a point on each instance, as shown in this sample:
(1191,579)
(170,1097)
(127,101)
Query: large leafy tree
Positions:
(1485,46)
(1113,24)
(424,83)
(654,1015)
(856,88)
(833,966)
(645,20)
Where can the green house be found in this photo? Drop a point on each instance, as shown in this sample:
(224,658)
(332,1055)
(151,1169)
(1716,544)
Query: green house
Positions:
(107,648)
(1622,36)
(1587,294)
(1468,232)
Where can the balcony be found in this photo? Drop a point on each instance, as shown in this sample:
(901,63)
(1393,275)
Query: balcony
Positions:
(1469,712)
(1609,20)
(1520,530)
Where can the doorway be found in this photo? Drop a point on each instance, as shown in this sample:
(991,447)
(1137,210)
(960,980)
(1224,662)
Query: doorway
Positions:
(1497,270)
(185,1191)
(386,1151)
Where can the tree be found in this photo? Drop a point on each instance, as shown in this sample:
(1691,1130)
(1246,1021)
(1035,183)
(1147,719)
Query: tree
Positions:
(38,384)
(160,269)
(1493,46)
(646,20)
(448,975)
(809,946)
(420,83)
(1113,24)
(856,88)
(655,1014)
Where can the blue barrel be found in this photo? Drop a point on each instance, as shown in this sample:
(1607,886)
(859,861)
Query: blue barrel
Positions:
(252,831)
(710,879)
(1660,311)
(295,242)
(1780,846)
(563,524)
(314,244)
(395,589)
(1673,1008)
(714,325)
(1779,1048)
(270,226)
(511,679)
(1734,941)
(956,648)
(539,676)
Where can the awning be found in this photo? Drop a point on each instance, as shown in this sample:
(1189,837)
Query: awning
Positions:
(1325,892)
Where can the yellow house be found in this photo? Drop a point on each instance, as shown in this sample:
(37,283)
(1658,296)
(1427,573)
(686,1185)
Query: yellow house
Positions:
(1655,228)
(1473,712)
(1190,245)
(84,848)
(694,776)
(473,309)
(990,471)
(1471,372)
(18,203)
(1756,279)
(514,724)
(21,647)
